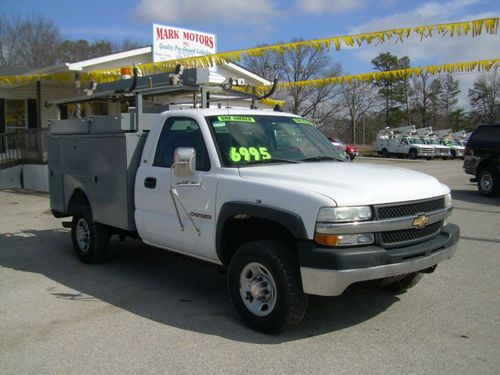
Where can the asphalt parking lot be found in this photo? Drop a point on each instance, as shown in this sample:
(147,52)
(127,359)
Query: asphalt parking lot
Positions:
(149,311)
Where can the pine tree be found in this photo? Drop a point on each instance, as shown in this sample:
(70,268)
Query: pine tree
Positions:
(448,96)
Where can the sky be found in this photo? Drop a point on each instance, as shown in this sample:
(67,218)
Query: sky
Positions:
(242,24)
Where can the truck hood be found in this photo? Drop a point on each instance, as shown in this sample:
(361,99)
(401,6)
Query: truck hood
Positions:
(349,184)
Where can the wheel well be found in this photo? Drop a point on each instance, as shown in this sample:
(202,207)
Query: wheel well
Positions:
(237,232)
(483,164)
(78,198)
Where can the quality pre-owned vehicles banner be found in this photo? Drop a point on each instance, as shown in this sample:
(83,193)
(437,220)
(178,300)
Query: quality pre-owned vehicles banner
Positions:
(170,43)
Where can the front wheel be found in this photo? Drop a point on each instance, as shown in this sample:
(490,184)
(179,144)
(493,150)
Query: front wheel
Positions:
(412,154)
(90,239)
(488,182)
(265,287)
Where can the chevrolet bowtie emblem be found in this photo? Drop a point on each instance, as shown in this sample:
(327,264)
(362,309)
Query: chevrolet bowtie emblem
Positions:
(421,221)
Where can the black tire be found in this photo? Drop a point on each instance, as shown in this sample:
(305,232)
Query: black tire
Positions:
(488,182)
(453,154)
(95,248)
(401,284)
(428,158)
(412,154)
(445,157)
(384,153)
(286,302)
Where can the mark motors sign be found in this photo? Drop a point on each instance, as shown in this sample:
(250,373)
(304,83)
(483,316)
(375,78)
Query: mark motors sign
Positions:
(170,43)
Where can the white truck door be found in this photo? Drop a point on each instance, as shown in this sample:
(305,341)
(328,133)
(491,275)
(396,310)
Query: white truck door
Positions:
(404,146)
(159,222)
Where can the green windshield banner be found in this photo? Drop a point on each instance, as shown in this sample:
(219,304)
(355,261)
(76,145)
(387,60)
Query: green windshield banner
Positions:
(302,121)
(236,118)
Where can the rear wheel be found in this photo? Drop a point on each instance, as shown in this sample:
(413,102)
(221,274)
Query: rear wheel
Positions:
(488,182)
(384,153)
(90,239)
(265,287)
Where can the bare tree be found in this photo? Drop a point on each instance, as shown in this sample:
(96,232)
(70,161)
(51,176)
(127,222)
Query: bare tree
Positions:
(317,102)
(34,42)
(266,65)
(422,95)
(37,42)
(357,99)
(8,40)
(485,98)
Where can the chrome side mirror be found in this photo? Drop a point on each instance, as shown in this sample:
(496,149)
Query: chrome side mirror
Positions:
(184,161)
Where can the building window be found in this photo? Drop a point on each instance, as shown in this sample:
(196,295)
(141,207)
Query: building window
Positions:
(15,111)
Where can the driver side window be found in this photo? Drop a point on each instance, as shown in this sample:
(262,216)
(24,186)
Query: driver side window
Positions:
(181,132)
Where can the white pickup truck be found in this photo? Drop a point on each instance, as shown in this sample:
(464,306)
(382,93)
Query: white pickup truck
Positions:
(402,142)
(262,194)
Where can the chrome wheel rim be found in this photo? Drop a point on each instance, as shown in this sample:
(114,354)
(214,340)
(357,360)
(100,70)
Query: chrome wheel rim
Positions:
(83,235)
(257,289)
(486,182)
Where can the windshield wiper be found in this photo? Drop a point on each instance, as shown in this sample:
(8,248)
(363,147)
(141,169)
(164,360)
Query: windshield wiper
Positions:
(273,160)
(319,158)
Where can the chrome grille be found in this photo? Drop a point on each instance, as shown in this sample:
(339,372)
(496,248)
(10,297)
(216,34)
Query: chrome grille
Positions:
(409,209)
(409,236)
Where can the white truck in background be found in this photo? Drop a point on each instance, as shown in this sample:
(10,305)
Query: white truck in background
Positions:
(402,142)
(452,140)
(430,138)
(261,194)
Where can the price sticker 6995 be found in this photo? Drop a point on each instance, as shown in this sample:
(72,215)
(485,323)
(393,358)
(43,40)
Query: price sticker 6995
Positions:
(241,154)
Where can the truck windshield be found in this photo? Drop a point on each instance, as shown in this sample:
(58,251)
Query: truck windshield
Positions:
(259,139)
(415,141)
(432,141)
(451,143)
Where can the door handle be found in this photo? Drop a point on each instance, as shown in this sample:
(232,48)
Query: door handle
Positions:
(150,182)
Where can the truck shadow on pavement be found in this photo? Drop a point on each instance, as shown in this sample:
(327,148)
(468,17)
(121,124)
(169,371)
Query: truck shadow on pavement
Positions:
(161,286)
(473,196)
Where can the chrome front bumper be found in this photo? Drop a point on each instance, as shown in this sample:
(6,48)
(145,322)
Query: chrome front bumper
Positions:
(333,282)
(328,272)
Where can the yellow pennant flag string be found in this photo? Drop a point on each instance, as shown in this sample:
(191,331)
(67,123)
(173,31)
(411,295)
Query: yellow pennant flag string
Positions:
(461,67)
(455,29)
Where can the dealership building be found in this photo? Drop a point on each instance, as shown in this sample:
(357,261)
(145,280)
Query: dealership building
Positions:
(25,110)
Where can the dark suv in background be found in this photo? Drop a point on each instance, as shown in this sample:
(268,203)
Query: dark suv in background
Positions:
(482,159)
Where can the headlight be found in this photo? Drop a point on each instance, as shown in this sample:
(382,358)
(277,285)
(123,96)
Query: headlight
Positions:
(344,214)
(447,201)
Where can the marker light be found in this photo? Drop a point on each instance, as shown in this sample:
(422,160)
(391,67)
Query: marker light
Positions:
(344,239)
